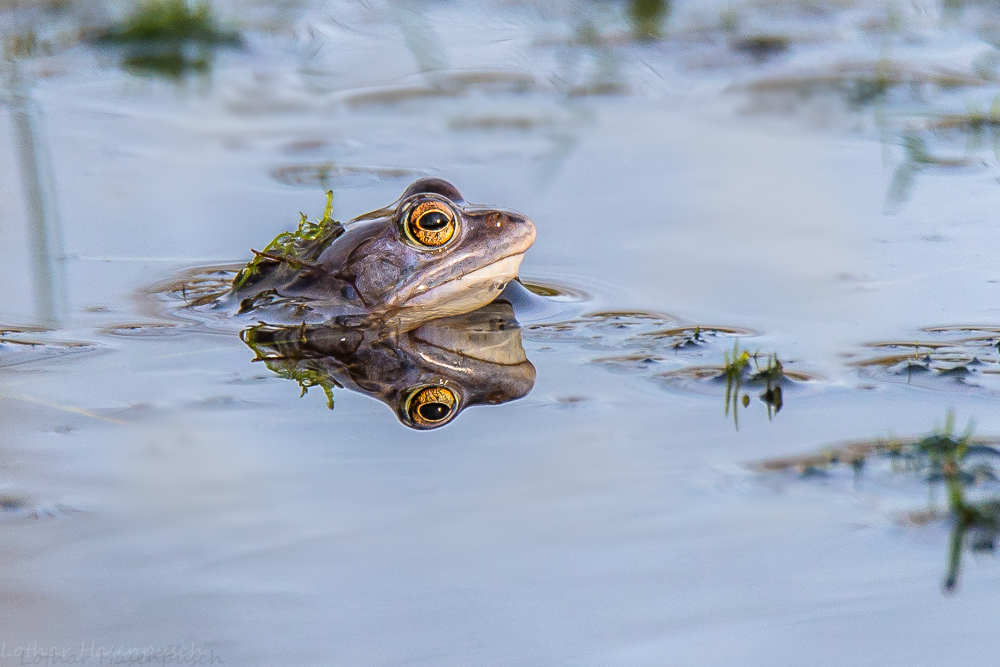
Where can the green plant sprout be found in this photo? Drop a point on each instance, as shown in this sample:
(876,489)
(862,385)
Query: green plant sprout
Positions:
(737,372)
(734,368)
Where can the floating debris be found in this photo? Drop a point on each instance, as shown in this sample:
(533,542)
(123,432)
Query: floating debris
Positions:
(948,357)
(761,47)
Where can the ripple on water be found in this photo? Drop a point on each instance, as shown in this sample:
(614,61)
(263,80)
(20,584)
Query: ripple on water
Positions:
(555,290)
(188,294)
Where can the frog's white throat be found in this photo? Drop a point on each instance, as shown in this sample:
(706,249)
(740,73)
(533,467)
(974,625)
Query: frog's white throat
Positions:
(469,291)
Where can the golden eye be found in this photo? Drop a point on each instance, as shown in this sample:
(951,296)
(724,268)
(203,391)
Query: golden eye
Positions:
(431,406)
(431,224)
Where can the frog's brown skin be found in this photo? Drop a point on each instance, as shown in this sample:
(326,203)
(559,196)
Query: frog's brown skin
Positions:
(427,375)
(379,270)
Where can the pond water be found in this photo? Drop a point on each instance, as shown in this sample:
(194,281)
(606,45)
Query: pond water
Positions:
(816,182)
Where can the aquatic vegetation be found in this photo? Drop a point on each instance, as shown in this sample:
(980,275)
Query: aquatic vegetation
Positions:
(290,251)
(293,250)
(772,375)
(655,347)
(737,373)
(647,17)
(168,38)
(734,368)
(918,158)
(960,464)
(169,20)
(289,365)
(946,357)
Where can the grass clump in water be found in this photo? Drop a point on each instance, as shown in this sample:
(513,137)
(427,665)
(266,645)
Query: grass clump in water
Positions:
(170,21)
(169,38)
(737,371)
(647,18)
(959,463)
(734,368)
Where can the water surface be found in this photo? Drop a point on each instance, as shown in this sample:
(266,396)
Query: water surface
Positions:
(798,179)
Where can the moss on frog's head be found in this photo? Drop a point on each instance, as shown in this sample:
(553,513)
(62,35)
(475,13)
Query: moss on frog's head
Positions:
(293,249)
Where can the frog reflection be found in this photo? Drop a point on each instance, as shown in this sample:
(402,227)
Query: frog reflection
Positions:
(427,375)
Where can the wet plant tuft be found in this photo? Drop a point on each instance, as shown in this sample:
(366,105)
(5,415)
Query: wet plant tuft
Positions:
(170,21)
(647,17)
(737,371)
(963,466)
(168,38)
(946,357)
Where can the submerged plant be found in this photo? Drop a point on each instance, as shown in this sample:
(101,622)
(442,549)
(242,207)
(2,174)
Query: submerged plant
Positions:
(771,375)
(918,158)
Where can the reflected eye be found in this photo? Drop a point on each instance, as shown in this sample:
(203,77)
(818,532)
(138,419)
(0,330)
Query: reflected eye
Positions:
(431,224)
(432,405)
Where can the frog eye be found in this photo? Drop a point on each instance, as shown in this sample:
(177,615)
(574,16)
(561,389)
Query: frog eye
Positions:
(430,224)
(431,406)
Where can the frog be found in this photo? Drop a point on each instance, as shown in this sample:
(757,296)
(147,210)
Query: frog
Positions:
(428,255)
